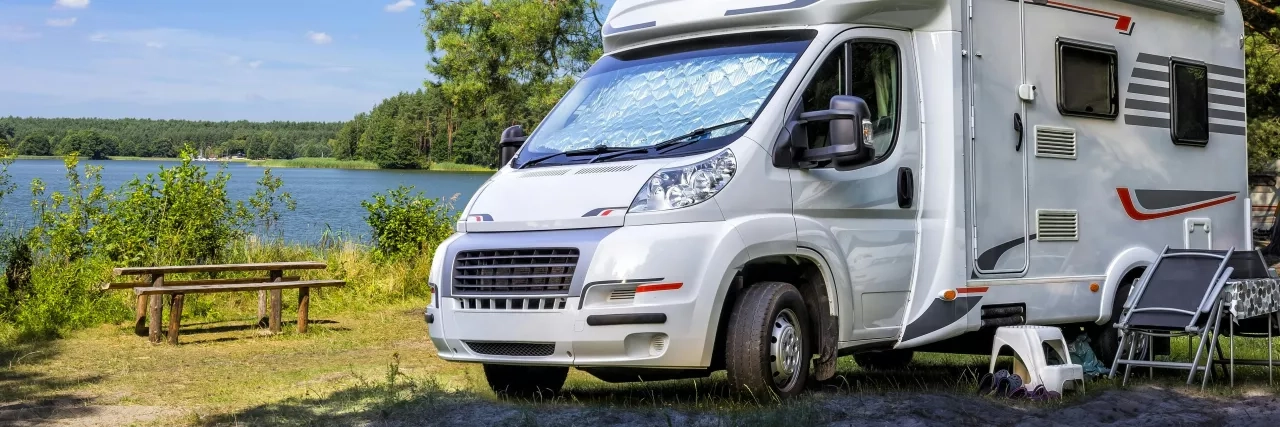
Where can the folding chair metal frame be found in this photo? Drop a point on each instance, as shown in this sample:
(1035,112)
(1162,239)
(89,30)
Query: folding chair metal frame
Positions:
(1208,310)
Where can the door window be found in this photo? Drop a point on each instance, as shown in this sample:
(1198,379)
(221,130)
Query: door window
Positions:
(868,70)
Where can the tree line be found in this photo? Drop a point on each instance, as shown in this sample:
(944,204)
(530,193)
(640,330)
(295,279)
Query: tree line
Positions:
(495,63)
(103,138)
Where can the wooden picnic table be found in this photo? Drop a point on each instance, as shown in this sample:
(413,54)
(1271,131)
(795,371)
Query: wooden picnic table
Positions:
(151,292)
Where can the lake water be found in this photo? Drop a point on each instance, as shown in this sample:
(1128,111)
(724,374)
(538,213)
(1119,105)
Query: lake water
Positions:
(327,198)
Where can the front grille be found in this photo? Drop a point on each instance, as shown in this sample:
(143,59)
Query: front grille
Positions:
(512,304)
(515,271)
(520,349)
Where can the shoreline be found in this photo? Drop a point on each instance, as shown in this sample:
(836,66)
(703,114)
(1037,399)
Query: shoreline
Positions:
(330,163)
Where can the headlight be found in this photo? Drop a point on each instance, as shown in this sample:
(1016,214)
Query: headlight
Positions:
(685,186)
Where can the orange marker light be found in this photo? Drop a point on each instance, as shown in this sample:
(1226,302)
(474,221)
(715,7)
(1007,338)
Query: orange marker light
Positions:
(948,295)
(1093,287)
(659,287)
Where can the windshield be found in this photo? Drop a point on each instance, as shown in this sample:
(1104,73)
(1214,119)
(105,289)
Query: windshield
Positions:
(639,99)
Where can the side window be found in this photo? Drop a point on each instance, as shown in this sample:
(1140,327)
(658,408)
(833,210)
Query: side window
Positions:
(1190,90)
(875,76)
(1087,82)
(827,82)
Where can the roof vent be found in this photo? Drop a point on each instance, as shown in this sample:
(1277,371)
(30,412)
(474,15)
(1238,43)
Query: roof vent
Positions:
(1057,225)
(1055,142)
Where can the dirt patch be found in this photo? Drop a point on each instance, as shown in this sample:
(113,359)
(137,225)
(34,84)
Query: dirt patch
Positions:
(81,412)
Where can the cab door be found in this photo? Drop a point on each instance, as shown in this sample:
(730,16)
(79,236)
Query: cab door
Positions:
(997,147)
(870,213)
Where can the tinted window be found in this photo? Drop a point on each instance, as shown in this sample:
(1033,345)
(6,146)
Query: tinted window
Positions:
(1087,80)
(875,80)
(827,82)
(1190,87)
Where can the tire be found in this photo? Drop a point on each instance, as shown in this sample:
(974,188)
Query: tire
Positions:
(768,346)
(890,360)
(1105,339)
(525,381)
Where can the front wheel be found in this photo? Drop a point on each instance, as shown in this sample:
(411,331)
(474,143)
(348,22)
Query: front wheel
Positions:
(767,348)
(525,381)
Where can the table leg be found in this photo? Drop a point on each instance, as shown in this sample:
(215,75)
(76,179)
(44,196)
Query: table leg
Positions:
(175,318)
(140,317)
(262,309)
(153,321)
(276,297)
(304,303)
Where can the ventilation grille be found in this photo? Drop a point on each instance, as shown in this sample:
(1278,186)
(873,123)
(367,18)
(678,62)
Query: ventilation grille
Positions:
(512,304)
(605,169)
(517,349)
(515,271)
(621,295)
(537,174)
(1056,225)
(1055,142)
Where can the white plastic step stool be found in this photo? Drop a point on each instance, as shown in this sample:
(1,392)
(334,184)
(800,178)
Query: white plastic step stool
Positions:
(1027,343)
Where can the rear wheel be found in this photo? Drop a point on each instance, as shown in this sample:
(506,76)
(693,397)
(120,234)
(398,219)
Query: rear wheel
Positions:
(1105,339)
(767,348)
(525,381)
(890,360)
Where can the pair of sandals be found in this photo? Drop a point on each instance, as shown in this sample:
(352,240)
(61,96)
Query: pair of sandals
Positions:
(1004,384)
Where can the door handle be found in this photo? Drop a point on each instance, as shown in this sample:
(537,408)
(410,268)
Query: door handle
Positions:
(1017,126)
(906,188)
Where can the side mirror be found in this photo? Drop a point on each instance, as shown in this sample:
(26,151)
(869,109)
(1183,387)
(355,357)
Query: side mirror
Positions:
(849,132)
(512,139)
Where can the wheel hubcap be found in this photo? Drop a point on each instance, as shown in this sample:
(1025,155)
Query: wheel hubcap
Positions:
(784,350)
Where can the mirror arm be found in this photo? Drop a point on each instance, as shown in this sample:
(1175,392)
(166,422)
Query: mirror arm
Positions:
(827,153)
(827,116)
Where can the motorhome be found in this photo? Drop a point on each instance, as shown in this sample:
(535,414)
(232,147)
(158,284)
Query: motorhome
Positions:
(763,186)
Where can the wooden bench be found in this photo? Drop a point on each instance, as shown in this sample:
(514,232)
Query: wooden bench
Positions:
(151,291)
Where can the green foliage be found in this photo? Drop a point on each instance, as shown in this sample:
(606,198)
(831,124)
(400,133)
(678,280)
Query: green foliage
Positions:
(37,144)
(258,145)
(1262,64)
(406,223)
(282,149)
(268,199)
(165,138)
(89,143)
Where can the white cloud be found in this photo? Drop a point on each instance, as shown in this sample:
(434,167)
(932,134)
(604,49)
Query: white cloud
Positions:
(155,45)
(16,33)
(65,22)
(99,38)
(319,38)
(400,6)
(255,64)
(71,4)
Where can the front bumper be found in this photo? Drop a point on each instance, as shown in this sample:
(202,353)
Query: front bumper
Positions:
(592,330)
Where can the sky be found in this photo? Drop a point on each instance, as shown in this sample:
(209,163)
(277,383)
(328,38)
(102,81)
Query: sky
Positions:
(261,60)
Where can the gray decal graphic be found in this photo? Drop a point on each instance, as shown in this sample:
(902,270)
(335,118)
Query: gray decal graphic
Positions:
(939,315)
(610,29)
(1151,79)
(795,4)
(988,259)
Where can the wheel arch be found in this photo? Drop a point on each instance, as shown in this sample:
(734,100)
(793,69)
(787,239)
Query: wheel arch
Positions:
(1127,266)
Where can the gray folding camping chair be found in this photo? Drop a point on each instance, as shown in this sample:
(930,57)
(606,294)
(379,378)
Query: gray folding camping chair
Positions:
(1178,295)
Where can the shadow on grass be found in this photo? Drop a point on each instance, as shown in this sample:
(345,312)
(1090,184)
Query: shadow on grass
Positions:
(32,397)
(238,326)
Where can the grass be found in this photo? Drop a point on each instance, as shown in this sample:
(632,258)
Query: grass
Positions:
(370,363)
(458,167)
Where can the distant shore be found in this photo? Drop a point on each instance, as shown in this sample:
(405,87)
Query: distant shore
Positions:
(331,163)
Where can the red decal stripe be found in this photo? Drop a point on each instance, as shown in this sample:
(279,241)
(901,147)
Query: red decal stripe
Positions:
(972,290)
(1124,23)
(659,287)
(1132,209)
(606,212)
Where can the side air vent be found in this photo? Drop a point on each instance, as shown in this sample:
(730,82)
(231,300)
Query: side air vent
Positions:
(605,169)
(537,174)
(1057,225)
(1054,142)
(621,295)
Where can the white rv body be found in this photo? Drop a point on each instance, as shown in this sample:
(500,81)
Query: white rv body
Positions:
(958,224)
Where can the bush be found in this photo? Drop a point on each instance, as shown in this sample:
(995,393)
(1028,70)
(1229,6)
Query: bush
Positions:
(406,223)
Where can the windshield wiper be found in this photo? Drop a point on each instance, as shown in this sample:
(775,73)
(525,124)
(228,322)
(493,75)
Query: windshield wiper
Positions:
(673,143)
(599,149)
